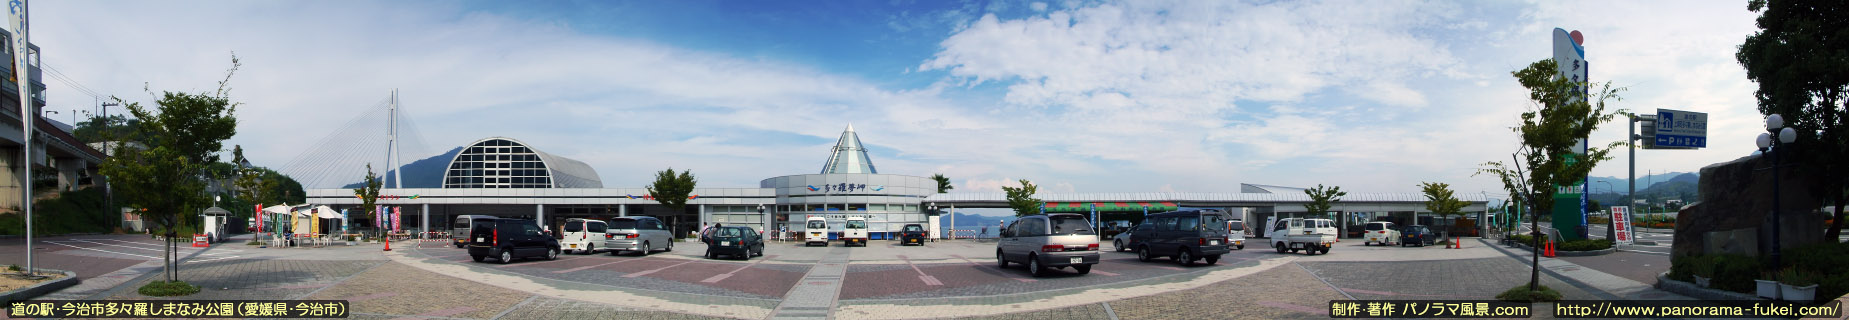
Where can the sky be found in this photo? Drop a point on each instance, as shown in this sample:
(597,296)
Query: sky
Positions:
(1076,96)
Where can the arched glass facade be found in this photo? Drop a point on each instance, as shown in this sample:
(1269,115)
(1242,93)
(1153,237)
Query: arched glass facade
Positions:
(507,163)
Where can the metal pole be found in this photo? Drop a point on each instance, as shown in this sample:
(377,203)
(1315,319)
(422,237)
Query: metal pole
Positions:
(1630,198)
(1777,253)
(21,62)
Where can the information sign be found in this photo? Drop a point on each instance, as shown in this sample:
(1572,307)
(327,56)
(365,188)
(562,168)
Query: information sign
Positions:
(1621,224)
(1676,128)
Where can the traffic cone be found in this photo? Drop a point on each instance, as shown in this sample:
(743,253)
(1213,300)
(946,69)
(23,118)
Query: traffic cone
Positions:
(1548,250)
(388,244)
(1460,244)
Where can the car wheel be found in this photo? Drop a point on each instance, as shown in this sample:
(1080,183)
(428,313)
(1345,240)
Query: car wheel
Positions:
(590,249)
(1142,253)
(479,258)
(646,248)
(1082,269)
(1186,258)
(1000,260)
(1242,247)
(1119,244)
(552,254)
(1033,266)
(670,247)
(1213,259)
(1280,246)
(507,255)
(458,246)
(1325,250)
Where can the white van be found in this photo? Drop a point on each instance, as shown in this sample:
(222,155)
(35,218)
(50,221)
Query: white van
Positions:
(815,231)
(578,235)
(854,232)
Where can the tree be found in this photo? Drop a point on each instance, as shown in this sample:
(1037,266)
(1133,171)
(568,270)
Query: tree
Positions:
(249,182)
(1801,62)
(1022,199)
(1557,117)
(1442,202)
(182,134)
(943,183)
(1321,198)
(671,190)
(368,192)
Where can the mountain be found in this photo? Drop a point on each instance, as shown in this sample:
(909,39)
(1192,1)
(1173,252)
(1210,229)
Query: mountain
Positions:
(1684,187)
(1620,185)
(971,220)
(423,173)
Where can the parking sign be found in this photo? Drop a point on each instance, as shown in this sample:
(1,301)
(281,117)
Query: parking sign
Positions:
(1676,128)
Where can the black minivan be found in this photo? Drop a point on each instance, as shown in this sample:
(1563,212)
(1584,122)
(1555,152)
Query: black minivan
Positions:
(509,239)
(1184,236)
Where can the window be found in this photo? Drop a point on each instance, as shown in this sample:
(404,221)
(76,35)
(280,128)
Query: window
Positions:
(1034,227)
(1376,226)
(1072,225)
(531,230)
(913,228)
(1236,225)
(576,226)
(817,224)
(1187,223)
(857,224)
(595,226)
(1165,223)
(876,207)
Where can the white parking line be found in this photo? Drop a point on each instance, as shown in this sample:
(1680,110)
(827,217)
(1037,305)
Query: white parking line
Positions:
(722,276)
(93,249)
(928,279)
(150,245)
(212,259)
(646,272)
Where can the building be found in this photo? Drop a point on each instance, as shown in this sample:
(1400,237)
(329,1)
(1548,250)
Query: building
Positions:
(505,177)
(56,157)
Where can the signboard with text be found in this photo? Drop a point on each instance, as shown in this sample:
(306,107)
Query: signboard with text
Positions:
(1621,224)
(1677,128)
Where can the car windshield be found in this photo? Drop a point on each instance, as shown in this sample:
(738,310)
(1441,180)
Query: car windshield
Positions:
(1071,225)
(1376,226)
(818,224)
(574,226)
(857,224)
(729,233)
(1208,221)
(1236,225)
(623,224)
(914,228)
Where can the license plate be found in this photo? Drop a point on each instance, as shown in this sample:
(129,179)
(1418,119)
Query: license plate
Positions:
(725,243)
(481,239)
(1078,260)
(1213,243)
(574,246)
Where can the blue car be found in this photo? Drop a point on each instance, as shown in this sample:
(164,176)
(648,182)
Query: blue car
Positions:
(1417,235)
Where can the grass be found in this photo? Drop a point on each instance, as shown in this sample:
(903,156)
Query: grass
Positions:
(168,289)
(254,243)
(1522,294)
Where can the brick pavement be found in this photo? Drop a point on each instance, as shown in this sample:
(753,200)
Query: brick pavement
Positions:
(236,279)
(1471,279)
(1285,292)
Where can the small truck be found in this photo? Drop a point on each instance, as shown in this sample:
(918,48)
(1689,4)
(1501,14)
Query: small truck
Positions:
(1310,235)
(854,232)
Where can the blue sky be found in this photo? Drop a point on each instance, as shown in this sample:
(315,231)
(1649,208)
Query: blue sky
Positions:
(1078,96)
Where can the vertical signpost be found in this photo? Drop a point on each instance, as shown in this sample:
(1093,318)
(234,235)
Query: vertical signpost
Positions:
(1570,200)
(1621,225)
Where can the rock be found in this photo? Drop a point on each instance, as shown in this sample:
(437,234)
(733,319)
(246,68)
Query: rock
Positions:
(1735,211)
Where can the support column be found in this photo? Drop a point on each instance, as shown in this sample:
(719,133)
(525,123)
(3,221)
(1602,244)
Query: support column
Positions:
(425,222)
(539,215)
(622,210)
(953,221)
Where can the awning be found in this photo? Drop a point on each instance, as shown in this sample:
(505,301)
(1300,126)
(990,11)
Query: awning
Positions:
(1110,206)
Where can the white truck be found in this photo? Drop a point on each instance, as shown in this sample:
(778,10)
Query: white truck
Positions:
(815,231)
(1310,235)
(854,232)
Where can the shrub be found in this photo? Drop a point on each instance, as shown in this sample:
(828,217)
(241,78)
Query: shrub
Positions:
(14,268)
(78,211)
(1734,272)
(1832,285)
(1795,277)
(167,289)
(1527,240)
(1522,294)
(1585,245)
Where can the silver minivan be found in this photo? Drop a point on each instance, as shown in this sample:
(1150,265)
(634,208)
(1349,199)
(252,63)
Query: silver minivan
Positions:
(459,231)
(639,234)
(1049,241)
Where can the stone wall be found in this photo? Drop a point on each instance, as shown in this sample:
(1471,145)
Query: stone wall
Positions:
(1735,211)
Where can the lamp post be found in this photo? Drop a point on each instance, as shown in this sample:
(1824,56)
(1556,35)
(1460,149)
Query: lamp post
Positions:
(1786,135)
(953,221)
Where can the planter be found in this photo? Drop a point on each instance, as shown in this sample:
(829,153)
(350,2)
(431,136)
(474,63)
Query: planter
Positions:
(1804,294)
(1767,289)
(1701,281)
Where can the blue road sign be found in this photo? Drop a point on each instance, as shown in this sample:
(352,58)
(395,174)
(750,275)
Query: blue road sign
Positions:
(1676,128)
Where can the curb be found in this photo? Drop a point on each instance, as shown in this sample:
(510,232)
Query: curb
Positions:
(1663,282)
(42,288)
(1563,253)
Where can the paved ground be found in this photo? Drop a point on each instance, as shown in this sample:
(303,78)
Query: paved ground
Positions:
(944,279)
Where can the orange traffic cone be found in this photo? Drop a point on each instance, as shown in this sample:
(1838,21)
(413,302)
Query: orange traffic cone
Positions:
(1460,244)
(1548,250)
(388,244)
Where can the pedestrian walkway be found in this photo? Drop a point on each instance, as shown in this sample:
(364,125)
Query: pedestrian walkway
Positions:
(816,295)
(1611,286)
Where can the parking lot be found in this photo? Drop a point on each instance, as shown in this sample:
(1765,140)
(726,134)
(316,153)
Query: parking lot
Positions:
(882,270)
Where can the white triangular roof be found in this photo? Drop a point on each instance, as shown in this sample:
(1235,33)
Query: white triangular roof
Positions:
(848,155)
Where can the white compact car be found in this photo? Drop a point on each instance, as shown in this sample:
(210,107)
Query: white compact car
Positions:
(1381,232)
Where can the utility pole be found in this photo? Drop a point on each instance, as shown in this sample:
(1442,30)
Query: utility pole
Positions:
(27,118)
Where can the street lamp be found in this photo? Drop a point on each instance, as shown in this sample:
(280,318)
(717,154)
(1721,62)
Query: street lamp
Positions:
(1786,135)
